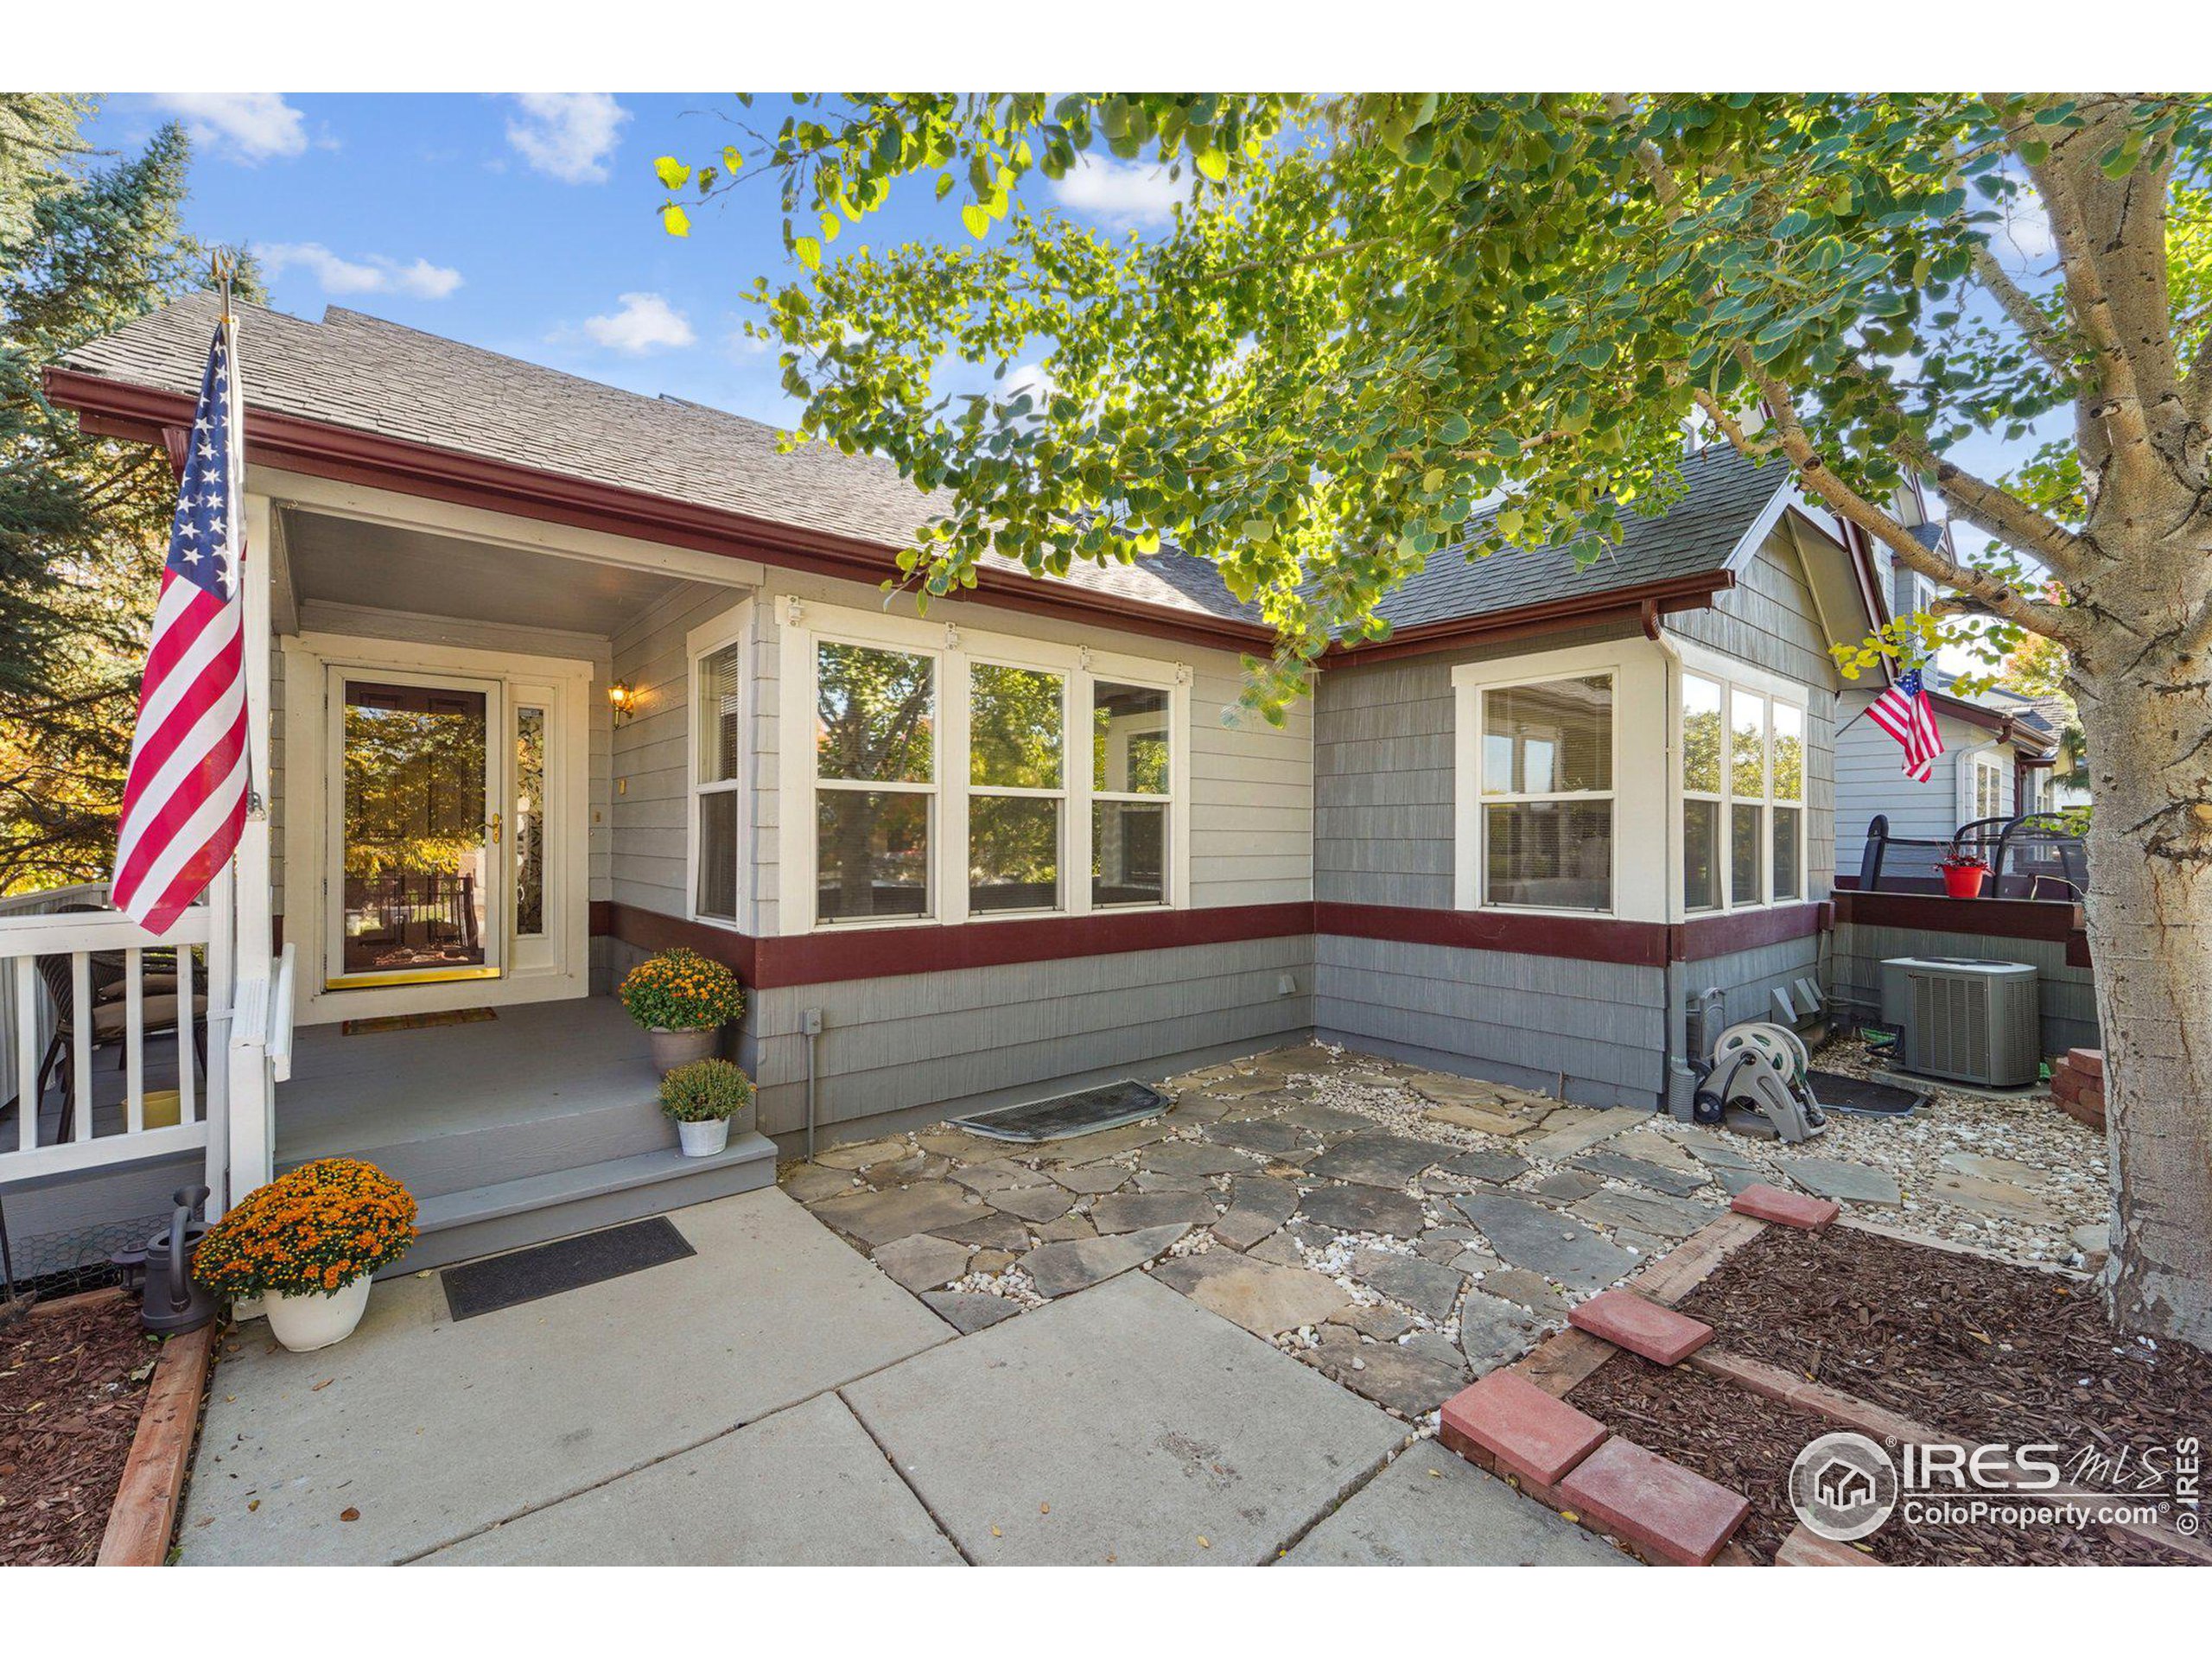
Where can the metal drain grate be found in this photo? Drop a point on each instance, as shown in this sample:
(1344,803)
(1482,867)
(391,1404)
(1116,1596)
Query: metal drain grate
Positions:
(1081,1113)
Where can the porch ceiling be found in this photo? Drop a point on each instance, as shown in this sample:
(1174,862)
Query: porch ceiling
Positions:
(352,561)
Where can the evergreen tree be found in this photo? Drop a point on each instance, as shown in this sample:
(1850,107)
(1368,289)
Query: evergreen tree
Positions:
(86,245)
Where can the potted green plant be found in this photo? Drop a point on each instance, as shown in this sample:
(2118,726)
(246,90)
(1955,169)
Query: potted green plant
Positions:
(308,1244)
(684,1000)
(705,1098)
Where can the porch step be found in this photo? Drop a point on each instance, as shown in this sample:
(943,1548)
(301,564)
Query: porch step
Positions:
(483,1220)
(472,1157)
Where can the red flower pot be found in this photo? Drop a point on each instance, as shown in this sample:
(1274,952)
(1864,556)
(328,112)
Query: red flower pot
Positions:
(1963,881)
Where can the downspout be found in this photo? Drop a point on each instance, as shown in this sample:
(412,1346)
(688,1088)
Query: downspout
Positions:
(1670,1060)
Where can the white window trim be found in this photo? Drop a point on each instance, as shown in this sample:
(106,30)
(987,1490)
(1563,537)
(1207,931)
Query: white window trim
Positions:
(1470,681)
(1733,676)
(953,646)
(732,627)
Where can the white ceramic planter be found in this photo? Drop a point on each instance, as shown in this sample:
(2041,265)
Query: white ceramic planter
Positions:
(704,1140)
(674,1048)
(304,1324)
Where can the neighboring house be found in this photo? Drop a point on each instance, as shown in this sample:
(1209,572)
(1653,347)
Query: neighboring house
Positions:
(557,675)
(1998,749)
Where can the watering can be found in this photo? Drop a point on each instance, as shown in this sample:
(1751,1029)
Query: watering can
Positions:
(170,1300)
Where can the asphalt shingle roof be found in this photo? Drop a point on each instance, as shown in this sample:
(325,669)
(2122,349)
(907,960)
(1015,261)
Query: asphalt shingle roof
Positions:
(357,371)
(1726,494)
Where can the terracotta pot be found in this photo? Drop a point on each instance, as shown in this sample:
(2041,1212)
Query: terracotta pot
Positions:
(304,1324)
(674,1048)
(704,1139)
(1964,883)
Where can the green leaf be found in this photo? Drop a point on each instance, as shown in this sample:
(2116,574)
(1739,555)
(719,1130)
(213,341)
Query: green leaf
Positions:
(809,251)
(1214,163)
(977,221)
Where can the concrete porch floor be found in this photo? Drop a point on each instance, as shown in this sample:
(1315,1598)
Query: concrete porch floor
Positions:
(540,1059)
(777,1399)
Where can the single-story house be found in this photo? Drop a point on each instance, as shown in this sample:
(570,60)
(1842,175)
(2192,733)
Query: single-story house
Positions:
(557,674)
(1999,750)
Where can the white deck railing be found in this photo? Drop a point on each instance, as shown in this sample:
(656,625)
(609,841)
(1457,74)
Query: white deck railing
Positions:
(31,1013)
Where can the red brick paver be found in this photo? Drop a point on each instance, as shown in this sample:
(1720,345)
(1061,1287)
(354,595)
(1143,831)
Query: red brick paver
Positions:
(2090,1062)
(1627,1320)
(1786,1209)
(1666,1512)
(1514,1426)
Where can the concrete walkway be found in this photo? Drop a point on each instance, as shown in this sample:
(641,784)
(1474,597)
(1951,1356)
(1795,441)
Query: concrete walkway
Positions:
(776,1399)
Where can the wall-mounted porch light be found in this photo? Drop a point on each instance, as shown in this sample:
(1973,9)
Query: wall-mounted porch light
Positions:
(623,700)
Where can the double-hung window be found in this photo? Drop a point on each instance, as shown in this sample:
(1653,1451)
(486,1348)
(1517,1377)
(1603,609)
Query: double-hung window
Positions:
(1017,787)
(1988,787)
(1131,782)
(875,805)
(717,796)
(1547,794)
(1743,796)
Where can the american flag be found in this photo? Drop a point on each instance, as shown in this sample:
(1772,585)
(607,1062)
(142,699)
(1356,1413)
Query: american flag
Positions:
(184,802)
(1904,712)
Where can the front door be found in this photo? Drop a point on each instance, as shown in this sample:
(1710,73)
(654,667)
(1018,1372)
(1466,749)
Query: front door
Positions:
(419,809)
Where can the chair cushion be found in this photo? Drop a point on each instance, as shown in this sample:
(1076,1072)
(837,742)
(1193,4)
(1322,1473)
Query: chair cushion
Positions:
(160,1015)
(155,984)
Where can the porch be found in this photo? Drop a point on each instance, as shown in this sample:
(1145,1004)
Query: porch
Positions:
(538,1121)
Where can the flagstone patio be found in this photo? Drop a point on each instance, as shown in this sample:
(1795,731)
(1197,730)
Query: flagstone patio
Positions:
(1399,1229)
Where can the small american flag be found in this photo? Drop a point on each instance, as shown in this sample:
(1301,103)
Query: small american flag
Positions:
(1904,712)
(184,801)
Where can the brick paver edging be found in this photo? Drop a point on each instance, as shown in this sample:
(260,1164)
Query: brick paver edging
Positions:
(143,1517)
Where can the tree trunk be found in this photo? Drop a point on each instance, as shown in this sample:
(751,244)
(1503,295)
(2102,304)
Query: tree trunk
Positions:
(2150,925)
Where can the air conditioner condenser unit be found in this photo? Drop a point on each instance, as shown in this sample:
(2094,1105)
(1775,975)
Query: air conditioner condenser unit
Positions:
(1970,1020)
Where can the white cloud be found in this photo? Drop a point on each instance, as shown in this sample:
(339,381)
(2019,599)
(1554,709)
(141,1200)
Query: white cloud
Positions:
(374,273)
(645,323)
(248,126)
(570,136)
(1125,194)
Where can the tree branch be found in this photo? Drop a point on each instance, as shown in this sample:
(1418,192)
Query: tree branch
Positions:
(2050,342)
(1990,507)
(1999,598)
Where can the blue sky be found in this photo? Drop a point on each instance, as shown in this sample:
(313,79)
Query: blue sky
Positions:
(528,224)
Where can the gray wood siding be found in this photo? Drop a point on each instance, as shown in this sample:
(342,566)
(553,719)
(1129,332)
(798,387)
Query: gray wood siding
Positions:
(1515,1019)
(1770,619)
(1382,830)
(945,1039)
(1747,979)
(649,753)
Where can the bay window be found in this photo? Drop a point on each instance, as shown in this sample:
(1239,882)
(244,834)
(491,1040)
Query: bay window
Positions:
(1547,788)
(960,776)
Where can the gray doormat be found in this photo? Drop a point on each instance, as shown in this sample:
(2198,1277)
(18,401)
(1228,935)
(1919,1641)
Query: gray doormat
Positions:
(1105,1107)
(1838,1093)
(519,1276)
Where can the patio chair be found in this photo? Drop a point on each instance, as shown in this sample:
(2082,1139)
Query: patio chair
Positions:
(110,974)
(110,1029)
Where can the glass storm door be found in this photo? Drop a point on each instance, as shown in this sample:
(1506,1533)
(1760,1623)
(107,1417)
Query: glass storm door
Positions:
(419,862)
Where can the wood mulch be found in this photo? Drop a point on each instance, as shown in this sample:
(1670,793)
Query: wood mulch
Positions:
(1747,1442)
(1980,1349)
(1983,1350)
(73,1379)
